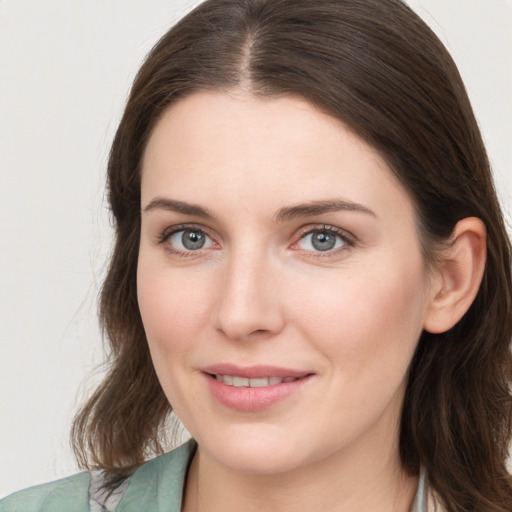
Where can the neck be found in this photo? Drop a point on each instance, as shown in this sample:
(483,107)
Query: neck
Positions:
(337,483)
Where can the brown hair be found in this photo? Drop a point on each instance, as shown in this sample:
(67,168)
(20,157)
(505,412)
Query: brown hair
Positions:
(377,67)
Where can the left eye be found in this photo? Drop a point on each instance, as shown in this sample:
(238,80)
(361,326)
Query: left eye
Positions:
(190,240)
(321,240)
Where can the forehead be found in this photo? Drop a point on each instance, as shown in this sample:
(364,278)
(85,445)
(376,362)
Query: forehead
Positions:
(214,146)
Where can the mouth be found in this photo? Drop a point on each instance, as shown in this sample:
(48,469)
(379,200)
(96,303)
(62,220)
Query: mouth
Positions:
(246,382)
(255,388)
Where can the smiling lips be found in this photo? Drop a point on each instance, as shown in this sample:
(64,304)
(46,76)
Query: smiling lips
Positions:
(245,382)
(253,389)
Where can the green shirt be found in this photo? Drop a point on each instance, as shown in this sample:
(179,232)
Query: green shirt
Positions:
(157,486)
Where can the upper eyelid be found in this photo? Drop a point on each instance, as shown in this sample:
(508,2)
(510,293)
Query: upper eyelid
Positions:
(167,232)
(163,239)
(305,230)
(299,233)
(164,236)
(349,241)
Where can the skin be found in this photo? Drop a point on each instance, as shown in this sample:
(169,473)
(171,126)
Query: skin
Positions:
(259,292)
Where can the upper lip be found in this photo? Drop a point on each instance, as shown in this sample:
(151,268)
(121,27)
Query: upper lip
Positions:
(254,371)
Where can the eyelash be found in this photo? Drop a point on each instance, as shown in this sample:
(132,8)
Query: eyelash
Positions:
(168,233)
(347,239)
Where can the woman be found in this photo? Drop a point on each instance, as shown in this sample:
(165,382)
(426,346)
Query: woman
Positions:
(311,268)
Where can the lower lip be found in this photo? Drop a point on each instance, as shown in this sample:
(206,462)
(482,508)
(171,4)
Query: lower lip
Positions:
(247,399)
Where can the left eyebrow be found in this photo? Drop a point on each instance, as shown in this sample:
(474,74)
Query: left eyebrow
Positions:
(312,208)
(172,205)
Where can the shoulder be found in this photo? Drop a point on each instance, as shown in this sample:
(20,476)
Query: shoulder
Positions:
(67,495)
(156,483)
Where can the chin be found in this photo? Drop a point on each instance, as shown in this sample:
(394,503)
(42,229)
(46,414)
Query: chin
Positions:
(255,452)
(262,460)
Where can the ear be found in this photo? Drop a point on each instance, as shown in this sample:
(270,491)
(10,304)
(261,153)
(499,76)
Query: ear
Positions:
(458,275)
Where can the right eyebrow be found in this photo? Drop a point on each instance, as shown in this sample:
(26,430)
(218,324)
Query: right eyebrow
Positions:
(172,205)
(313,208)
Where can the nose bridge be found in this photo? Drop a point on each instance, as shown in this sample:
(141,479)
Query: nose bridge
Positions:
(248,299)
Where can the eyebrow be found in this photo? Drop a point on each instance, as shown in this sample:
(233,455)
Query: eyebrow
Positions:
(285,214)
(318,207)
(172,205)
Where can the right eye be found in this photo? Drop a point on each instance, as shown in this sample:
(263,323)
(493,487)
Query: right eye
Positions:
(188,240)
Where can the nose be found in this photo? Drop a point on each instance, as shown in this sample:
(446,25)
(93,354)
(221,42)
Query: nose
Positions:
(249,303)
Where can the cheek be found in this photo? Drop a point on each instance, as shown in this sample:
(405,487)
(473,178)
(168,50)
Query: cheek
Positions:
(173,307)
(173,311)
(373,318)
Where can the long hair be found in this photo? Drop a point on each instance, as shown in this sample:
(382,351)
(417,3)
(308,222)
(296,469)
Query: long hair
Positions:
(378,68)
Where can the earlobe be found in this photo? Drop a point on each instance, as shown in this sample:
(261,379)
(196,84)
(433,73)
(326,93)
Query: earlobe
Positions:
(458,277)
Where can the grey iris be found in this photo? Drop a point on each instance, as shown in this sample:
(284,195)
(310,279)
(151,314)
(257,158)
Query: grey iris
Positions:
(193,240)
(323,241)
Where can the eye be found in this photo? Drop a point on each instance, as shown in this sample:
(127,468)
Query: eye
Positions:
(327,239)
(186,240)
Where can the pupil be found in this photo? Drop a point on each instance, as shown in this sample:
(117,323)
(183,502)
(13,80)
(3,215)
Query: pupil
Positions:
(323,241)
(193,240)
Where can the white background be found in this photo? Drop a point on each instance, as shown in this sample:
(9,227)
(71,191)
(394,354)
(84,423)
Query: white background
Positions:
(65,70)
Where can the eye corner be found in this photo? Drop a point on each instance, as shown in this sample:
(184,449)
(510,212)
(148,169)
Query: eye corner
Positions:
(330,240)
(175,242)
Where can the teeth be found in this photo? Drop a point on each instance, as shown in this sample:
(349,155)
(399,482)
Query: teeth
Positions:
(243,382)
(240,382)
(258,383)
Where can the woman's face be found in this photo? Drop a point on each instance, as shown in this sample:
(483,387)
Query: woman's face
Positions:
(280,281)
